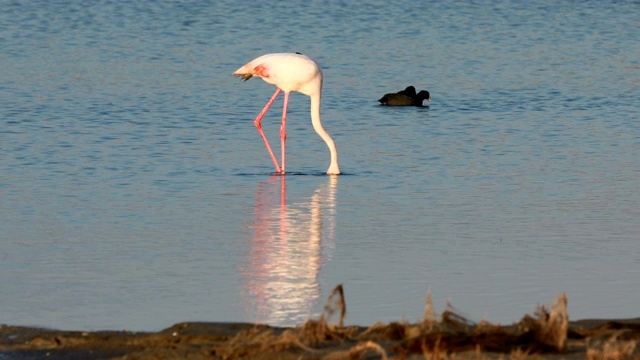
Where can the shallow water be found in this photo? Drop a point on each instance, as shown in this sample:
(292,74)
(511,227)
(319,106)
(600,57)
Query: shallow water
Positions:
(136,193)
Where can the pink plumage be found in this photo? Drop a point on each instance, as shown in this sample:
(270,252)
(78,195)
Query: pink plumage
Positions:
(290,72)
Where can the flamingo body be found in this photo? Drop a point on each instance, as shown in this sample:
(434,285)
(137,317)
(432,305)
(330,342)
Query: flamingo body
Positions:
(290,72)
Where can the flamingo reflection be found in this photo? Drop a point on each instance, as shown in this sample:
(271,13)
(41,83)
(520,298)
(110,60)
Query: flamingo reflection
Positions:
(289,243)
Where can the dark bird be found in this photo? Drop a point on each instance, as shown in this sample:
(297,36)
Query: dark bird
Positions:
(409,90)
(406,97)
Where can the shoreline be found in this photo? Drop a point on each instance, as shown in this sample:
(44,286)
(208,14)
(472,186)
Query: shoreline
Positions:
(546,334)
(448,339)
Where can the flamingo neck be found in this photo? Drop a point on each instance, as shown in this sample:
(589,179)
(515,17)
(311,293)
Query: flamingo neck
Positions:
(317,126)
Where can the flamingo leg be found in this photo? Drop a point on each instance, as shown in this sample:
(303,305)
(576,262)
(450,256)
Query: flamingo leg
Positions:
(283,129)
(258,124)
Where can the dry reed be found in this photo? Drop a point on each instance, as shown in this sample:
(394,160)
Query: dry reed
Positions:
(611,349)
(369,345)
(320,331)
(438,339)
(547,328)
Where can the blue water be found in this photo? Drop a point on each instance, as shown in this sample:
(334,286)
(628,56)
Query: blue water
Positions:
(136,193)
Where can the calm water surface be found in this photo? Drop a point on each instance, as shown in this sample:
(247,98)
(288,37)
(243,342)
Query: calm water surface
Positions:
(135,192)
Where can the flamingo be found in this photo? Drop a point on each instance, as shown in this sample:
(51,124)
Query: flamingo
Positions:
(290,72)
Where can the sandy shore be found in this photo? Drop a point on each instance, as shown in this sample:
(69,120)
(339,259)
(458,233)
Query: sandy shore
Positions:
(237,341)
(547,334)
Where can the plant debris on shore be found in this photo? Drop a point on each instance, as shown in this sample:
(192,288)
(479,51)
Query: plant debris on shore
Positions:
(547,334)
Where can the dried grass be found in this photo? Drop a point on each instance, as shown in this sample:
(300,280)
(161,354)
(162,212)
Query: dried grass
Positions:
(435,352)
(555,326)
(394,331)
(544,332)
(313,332)
(358,351)
(435,339)
(256,341)
(518,354)
(320,331)
(429,318)
(548,328)
(611,349)
(361,349)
